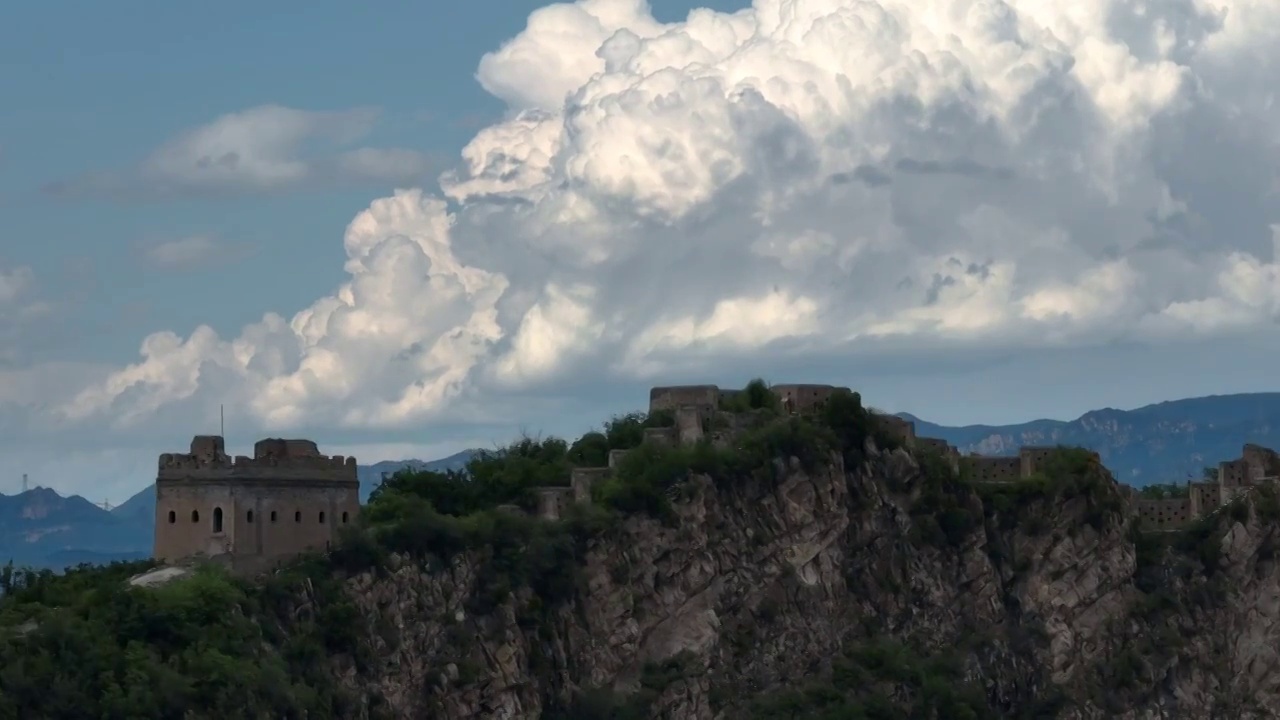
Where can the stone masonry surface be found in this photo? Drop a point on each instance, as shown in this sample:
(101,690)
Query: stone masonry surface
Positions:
(1256,466)
(288,498)
(252,512)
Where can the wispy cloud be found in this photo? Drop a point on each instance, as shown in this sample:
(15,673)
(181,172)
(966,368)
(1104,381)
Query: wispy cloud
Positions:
(20,306)
(192,252)
(269,148)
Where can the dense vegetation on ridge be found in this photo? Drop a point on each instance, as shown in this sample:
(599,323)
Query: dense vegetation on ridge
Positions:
(87,645)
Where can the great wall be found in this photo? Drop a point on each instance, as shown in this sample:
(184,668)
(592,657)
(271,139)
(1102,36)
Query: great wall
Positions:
(698,413)
(288,498)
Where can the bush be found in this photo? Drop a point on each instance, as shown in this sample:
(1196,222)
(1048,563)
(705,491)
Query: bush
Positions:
(755,396)
(191,648)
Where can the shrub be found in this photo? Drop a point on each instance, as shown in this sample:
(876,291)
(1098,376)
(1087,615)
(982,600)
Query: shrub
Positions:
(756,396)
(105,649)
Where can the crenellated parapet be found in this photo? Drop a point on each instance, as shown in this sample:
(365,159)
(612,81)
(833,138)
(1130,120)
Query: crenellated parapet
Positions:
(803,398)
(795,397)
(673,397)
(274,459)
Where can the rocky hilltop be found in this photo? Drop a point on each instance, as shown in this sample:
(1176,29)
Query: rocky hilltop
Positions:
(804,567)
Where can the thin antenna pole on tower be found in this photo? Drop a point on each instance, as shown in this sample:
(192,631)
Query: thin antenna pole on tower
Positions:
(222,422)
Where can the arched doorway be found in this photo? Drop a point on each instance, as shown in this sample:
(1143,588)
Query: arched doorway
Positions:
(217,519)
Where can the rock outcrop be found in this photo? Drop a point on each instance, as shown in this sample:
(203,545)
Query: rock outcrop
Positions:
(1050,601)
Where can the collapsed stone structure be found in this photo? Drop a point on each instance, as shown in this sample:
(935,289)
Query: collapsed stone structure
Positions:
(697,408)
(1256,466)
(251,512)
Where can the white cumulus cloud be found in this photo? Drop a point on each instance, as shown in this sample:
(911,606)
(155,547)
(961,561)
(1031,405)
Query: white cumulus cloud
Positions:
(802,176)
(192,252)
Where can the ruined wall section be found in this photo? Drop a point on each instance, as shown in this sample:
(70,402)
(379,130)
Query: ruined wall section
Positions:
(944,450)
(994,469)
(1205,497)
(664,436)
(689,421)
(1262,463)
(938,445)
(904,431)
(1233,473)
(553,501)
(1256,465)
(582,479)
(803,398)
(1166,513)
(704,397)
(1032,458)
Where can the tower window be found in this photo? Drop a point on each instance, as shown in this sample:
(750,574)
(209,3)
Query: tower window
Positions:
(344,517)
(217,519)
(273,516)
(249,516)
(173,517)
(321,517)
(195,516)
(297,516)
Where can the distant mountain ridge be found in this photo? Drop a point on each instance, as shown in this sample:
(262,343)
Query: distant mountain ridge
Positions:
(1165,442)
(41,528)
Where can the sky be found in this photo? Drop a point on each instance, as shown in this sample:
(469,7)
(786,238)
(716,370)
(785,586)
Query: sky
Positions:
(403,230)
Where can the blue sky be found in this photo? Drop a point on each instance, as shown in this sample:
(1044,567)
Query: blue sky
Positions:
(814,191)
(100,89)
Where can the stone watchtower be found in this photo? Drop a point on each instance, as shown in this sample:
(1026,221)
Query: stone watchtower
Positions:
(286,499)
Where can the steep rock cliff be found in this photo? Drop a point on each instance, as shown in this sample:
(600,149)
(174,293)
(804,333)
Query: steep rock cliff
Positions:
(885,587)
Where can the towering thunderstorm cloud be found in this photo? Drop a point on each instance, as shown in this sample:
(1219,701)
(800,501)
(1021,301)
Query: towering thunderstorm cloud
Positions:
(802,175)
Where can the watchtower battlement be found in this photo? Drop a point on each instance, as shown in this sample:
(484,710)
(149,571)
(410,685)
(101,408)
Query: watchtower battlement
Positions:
(673,397)
(252,511)
(795,397)
(273,459)
(802,397)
